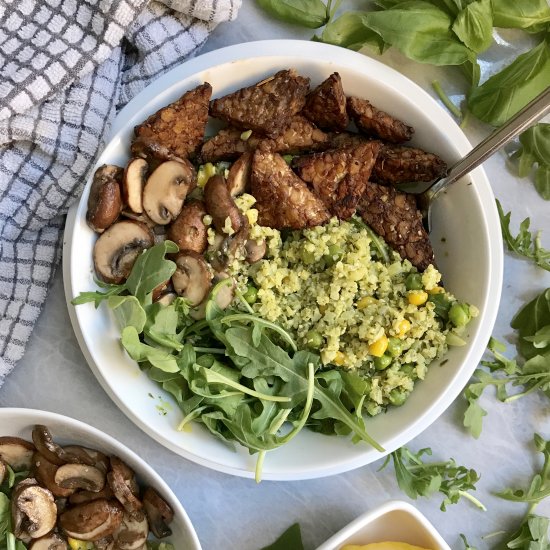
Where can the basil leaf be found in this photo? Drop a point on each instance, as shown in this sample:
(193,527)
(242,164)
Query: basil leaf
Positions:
(421,31)
(128,311)
(291,539)
(506,92)
(474,25)
(542,182)
(307,13)
(525,14)
(529,320)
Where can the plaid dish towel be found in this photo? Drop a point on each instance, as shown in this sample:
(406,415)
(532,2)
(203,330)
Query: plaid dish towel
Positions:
(66,67)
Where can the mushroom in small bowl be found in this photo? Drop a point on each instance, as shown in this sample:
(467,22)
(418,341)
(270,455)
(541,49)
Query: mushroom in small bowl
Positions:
(67,485)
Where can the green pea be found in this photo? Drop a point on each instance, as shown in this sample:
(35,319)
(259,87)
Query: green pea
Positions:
(459,314)
(398,397)
(335,254)
(414,281)
(395,347)
(251,294)
(307,256)
(409,371)
(314,339)
(382,362)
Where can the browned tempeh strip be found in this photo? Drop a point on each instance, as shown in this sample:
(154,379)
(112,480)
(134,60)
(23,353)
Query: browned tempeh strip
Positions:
(326,105)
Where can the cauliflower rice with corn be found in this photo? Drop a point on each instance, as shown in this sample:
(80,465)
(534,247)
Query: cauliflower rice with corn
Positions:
(328,287)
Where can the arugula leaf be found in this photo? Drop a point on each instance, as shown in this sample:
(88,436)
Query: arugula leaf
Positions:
(467,545)
(138,351)
(531,535)
(98,297)
(5,519)
(128,311)
(530,15)
(524,244)
(307,13)
(417,478)
(291,539)
(474,25)
(505,93)
(421,31)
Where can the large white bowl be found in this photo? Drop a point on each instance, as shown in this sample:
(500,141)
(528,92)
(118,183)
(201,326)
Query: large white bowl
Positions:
(466,239)
(67,431)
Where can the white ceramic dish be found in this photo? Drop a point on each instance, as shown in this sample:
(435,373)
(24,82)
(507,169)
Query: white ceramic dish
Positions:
(67,431)
(395,521)
(466,238)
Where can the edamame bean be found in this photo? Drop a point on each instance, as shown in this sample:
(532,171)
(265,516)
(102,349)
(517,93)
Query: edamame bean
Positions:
(395,347)
(335,254)
(314,339)
(398,397)
(413,281)
(307,256)
(251,294)
(459,314)
(382,362)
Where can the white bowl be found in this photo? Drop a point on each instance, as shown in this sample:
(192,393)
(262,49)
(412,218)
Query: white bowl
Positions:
(67,431)
(466,239)
(395,521)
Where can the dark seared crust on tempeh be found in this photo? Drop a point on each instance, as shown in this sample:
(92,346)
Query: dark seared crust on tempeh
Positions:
(346,139)
(373,122)
(226,145)
(326,105)
(339,176)
(395,217)
(265,107)
(179,127)
(283,200)
(397,164)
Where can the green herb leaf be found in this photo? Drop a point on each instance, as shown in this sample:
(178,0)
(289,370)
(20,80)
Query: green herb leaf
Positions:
(291,539)
(529,320)
(467,545)
(474,25)
(506,92)
(528,14)
(531,535)
(307,13)
(128,311)
(5,519)
(535,149)
(98,297)
(138,351)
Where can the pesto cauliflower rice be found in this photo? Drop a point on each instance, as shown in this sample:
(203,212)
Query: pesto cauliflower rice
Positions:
(340,291)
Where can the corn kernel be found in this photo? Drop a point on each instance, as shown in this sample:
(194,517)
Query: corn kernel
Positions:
(378,348)
(339,358)
(79,544)
(436,290)
(417,297)
(365,301)
(403,327)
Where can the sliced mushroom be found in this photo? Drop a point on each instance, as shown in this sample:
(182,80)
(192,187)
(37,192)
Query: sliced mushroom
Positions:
(45,445)
(133,182)
(16,453)
(188,230)
(167,298)
(122,482)
(80,476)
(45,471)
(92,457)
(104,201)
(3,471)
(49,542)
(92,520)
(87,496)
(105,543)
(255,250)
(238,179)
(132,532)
(143,218)
(166,189)
(225,251)
(158,512)
(220,205)
(61,504)
(33,510)
(192,278)
(118,248)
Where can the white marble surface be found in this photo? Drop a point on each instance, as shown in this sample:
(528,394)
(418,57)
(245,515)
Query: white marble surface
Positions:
(230,512)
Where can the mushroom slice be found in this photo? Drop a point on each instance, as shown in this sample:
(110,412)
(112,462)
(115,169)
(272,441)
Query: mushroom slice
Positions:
(158,513)
(118,248)
(221,206)
(132,532)
(104,200)
(49,542)
(133,182)
(188,230)
(45,445)
(81,497)
(93,520)
(80,476)
(167,298)
(166,189)
(3,471)
(16,453)
(34,513)
(92,457)
(192,278)
(124,486)
(105,543)
(238,179)
(255,250)
(45,471)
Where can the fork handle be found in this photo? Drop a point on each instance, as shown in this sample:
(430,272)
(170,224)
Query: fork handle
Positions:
(531,113)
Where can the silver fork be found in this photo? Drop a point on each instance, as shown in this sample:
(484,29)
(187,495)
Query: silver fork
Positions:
(531,113)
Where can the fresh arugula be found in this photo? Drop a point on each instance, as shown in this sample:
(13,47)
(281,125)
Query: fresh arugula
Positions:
(417,478)
(524,244)
(532,534)
(467,545)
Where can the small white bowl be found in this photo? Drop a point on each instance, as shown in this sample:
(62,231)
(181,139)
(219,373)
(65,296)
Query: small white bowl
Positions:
(395,521)
(20,422)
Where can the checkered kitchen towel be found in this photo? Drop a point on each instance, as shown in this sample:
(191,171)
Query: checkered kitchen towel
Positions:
(66,67)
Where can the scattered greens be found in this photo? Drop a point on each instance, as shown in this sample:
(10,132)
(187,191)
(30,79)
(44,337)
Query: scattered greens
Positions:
(417,478)
(532,534)
(7,538)
(291,539)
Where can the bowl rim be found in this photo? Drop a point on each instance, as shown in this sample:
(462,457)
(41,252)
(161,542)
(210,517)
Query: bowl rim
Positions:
(45,417)
(136,110)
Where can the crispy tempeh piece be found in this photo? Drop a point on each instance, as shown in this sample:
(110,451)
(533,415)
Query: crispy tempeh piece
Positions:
(227,145)
(395,217)
(265,107)
(339,176)
(397,164)
(179,127)
(374,122)
(326,105)
(282,198)
(346,139)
